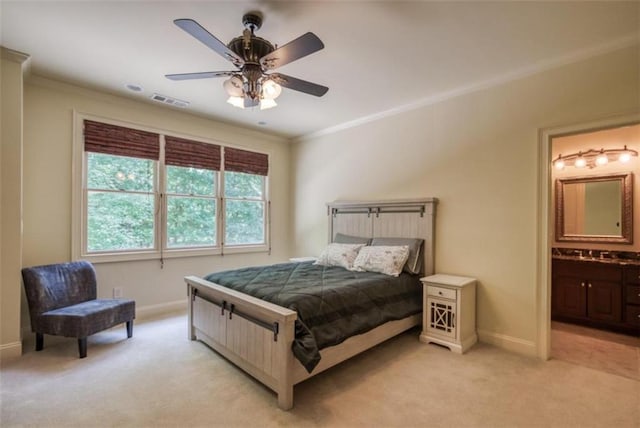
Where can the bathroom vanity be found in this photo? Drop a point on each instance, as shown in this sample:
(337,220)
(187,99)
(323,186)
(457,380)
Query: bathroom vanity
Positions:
(598,292)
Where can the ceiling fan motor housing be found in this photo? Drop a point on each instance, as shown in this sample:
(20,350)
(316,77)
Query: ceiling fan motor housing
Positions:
(258,47)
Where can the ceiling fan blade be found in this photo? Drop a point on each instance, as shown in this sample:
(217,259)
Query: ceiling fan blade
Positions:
(202,75)
(208,39)
(302,46)
(299,84)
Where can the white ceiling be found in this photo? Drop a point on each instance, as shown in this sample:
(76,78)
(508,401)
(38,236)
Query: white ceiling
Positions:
(379,56)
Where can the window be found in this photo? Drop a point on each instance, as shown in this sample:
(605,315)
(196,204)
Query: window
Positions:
(244,193)
(120,203)
(244,209)
(150,195)
(191,207)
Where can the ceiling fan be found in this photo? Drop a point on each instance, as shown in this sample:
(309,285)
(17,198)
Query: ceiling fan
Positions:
(254,56)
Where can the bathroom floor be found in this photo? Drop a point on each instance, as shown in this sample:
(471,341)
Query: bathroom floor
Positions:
(597,349)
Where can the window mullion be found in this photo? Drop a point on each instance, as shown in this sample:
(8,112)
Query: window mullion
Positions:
(222,218)
(161,217)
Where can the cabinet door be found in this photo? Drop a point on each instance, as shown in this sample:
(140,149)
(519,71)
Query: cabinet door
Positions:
(569,296)
(604,300)
(441,317)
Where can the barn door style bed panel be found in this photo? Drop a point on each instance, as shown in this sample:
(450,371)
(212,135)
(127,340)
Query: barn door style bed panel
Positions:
(270,342)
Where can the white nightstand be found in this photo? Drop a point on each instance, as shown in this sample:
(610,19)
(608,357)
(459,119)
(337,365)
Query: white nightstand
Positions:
(302,259)
(449,311)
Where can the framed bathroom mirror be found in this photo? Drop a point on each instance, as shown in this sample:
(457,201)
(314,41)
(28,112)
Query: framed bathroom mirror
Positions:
(595,209)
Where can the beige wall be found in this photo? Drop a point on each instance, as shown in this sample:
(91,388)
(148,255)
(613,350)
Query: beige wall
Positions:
(11,76)
(614,138)
(48,137)
(477,153)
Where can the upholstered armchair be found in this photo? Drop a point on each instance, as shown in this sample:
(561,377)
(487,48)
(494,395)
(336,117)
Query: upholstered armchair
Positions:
(62,301)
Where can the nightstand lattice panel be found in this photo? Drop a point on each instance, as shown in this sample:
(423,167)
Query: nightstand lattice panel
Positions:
(442,317)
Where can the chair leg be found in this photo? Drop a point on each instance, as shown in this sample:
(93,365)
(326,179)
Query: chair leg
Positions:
(129,329)
(82,347)
(39,341)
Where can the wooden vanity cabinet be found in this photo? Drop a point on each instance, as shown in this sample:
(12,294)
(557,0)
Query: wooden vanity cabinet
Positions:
(632,296)
(587,292)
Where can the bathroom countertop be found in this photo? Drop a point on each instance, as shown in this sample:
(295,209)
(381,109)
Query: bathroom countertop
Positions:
(605,260)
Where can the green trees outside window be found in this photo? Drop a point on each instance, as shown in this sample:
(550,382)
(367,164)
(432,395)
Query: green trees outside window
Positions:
(191,207)
(244,208)
(120,203)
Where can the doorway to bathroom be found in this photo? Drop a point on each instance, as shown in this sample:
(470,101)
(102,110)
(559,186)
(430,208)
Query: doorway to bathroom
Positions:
(591,297)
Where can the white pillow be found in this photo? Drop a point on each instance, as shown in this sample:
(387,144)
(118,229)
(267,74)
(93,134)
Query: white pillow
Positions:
(339,255)
(383,258)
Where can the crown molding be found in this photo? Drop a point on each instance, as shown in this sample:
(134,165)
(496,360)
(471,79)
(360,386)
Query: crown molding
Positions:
(539,67)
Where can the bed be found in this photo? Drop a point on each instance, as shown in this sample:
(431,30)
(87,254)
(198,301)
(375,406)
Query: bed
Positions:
(269,342)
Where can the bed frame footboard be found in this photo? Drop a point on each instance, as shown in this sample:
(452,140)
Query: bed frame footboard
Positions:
(253,334)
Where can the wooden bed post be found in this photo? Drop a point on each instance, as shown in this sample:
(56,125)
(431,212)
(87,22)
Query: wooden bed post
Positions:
(285,363)
(191,334)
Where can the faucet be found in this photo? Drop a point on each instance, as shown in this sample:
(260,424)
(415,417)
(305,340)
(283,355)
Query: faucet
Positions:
(579,252)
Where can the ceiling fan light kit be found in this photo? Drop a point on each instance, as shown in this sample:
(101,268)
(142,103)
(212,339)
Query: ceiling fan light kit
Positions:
(251,85)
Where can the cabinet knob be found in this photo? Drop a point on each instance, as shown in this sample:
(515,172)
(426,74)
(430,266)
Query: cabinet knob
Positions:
(440,293)
(589,285)
(582,284)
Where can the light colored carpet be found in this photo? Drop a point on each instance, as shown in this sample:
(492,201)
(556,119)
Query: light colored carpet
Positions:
(598,349)
(159,378)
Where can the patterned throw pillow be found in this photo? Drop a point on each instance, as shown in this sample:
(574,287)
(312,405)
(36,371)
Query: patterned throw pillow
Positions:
(339,255)
(384,259)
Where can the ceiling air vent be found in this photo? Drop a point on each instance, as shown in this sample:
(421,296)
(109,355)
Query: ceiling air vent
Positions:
(168,100)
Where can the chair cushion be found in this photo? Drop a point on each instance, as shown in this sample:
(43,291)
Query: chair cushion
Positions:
(86,318)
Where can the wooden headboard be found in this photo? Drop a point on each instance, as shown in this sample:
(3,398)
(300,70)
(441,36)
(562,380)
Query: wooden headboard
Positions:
(401,218)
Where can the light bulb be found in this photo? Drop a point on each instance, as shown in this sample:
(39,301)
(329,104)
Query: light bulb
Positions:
(233,86)
(624,157)
(559,164)
(236,101)
(271,90)
(580,162)
(267,103)
(602,159)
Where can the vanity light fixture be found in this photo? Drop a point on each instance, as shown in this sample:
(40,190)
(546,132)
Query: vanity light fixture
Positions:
(592,158)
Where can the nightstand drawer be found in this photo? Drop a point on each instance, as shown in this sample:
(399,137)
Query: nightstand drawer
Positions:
(446,293)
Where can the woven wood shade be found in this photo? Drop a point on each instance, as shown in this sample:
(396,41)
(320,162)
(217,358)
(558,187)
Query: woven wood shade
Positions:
(237,160)
(188,153)
(121,141)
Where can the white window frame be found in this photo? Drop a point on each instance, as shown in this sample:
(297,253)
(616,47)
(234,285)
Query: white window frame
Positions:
(239,248)
(160,250)
(165,213)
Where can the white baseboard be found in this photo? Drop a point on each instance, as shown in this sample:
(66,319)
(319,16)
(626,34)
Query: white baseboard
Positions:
(509,343)
(151,311)
(10,350)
